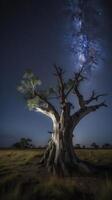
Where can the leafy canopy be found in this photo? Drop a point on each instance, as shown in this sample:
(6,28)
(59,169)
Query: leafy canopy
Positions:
(29,87)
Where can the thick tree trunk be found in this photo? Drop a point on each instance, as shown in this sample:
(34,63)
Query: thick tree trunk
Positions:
(60,157)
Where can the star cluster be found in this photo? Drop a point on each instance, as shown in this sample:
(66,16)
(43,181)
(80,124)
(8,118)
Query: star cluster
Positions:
(85,46)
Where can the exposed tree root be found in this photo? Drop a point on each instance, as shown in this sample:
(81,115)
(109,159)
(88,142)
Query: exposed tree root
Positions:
(62,163)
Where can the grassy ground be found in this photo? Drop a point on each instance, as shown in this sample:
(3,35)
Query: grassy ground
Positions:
(22,179)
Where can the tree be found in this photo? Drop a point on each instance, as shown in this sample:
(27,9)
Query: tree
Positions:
(23,143)
(83,146)
(94,145)
(77,146)
(106,146)
(59,156)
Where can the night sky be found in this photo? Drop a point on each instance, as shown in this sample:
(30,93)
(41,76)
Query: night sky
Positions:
(35,34)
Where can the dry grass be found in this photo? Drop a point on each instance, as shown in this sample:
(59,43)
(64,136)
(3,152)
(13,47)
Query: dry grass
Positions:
(99,156)
(105,190)
(22,179)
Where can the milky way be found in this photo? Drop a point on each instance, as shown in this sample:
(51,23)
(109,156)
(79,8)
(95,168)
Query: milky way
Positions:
(84,41)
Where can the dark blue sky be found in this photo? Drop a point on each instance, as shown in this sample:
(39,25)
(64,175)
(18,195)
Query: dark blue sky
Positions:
(33,35)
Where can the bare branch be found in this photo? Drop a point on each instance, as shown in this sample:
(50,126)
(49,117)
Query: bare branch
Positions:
(78,78)
(82,102)
(70,84)
(40,100)
(82,112)
(80,97)
(59,74)
(94,97)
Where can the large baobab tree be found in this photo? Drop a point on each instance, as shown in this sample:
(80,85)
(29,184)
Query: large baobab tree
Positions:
(59,156)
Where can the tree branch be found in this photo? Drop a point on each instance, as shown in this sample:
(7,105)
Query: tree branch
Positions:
(46,107)
(82,102)
(82,112)
(80,97)
(78,79)
(94,97)
(70,89)
(59,74)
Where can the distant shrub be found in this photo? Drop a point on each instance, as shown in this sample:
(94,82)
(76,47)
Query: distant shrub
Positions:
(23,144)
(77,146)
(94,145)
(107,146)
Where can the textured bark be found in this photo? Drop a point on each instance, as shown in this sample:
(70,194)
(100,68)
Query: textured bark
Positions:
(60,157)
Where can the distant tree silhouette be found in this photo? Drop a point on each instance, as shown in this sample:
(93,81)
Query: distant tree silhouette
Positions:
(77,146)
(83,146)
(107,146)
(94,145)
(23,143)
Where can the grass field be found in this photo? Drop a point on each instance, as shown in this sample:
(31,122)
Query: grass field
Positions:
(22,179)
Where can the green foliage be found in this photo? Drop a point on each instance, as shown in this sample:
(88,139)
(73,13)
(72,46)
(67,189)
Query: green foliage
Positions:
(32,103)
(28,84)
(34,96)
(50,92)
(23,143)
(35,102)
